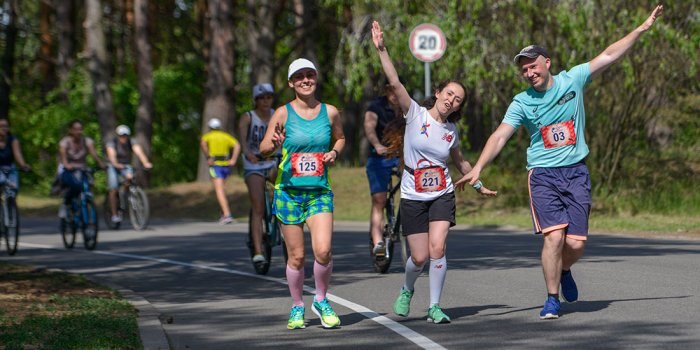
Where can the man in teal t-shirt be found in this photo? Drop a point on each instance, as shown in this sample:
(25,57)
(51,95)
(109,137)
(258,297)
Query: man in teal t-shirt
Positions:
(553,113)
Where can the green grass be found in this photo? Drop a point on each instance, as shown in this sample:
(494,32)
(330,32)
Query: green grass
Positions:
(40,309)
(669,207)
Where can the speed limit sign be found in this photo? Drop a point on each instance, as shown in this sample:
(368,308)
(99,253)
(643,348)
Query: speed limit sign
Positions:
(427,42)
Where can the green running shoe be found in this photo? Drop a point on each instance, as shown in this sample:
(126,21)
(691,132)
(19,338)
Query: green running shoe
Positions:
(296,318)
(402,305)
(323,310)
(435,315)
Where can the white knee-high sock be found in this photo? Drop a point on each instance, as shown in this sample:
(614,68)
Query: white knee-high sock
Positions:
(438,271)
(412,273)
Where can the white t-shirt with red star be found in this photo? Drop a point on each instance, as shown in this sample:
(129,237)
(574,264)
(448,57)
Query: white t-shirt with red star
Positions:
(427,143)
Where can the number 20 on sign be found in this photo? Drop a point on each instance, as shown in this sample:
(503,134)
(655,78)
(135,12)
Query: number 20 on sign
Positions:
(427,42)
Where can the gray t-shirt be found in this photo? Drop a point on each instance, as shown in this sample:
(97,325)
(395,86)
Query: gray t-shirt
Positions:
(76,152)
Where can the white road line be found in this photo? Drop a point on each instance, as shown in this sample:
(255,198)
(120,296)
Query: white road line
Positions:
(415,337)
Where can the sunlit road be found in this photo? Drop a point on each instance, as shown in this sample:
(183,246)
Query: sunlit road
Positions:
(634,293)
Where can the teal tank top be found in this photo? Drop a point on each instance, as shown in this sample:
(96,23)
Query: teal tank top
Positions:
(305,143)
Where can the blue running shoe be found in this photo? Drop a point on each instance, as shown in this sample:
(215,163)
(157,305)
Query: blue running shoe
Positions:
(550,309)
(568,287)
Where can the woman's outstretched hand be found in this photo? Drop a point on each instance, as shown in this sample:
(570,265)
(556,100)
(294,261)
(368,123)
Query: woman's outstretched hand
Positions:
(377,36)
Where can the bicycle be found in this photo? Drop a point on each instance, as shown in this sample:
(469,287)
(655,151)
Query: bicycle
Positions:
(272,232)
(132,198)
(9,216)
(392,228)
(81,214)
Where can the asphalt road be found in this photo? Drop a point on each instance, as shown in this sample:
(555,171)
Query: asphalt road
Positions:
(634,292)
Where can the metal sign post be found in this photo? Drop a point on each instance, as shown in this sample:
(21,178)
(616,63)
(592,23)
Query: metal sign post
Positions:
(427,43)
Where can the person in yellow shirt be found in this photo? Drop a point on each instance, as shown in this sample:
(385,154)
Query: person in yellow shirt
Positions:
(221,150)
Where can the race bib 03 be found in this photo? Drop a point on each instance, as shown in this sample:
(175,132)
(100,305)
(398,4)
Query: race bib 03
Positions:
(307,164)
(559,134)
(431,179)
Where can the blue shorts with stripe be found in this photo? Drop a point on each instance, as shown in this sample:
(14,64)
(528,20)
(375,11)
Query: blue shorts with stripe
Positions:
(560,198)
(219,172)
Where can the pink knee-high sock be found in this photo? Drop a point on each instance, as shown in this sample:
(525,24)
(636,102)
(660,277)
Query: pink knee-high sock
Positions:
(322,277)
(295,281)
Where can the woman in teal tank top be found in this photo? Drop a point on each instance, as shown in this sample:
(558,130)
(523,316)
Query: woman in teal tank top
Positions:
(311,136)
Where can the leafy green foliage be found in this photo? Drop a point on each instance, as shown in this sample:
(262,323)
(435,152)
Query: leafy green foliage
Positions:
(653,90)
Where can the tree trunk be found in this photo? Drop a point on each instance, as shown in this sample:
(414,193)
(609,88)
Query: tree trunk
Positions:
(306,18)
(218,99)
(8,59)
(144,114)
(261,43)
(46,64)
(66,47)
(96,55)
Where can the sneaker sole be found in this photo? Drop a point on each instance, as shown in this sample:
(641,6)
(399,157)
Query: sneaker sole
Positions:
(444,320)
(324,324)
(549,317)
(298,327)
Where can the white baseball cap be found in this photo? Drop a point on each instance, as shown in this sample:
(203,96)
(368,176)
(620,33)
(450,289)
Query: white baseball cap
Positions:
(214,123)
(299,64)
(262,89)
(123,130)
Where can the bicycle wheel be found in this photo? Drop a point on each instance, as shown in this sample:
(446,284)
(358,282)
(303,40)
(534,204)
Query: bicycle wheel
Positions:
(11,226)
(139,209)
(68,229)
(107,210)
(89,225)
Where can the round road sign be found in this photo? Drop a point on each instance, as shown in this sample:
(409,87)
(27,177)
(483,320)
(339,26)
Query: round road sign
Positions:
(427,42)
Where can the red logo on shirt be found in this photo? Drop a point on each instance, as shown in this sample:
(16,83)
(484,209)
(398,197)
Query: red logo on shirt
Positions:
(447,137)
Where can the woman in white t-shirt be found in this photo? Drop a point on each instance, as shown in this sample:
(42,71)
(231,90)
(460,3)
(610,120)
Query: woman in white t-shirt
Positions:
(427,193)
(256,168)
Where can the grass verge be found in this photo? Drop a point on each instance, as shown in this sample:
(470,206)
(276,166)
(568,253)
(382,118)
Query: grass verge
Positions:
(41,309)
(197,201)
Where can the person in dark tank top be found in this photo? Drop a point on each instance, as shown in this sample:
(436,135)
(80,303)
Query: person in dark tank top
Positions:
(10,157)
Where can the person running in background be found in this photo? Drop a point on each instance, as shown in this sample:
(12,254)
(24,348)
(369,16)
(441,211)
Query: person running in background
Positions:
(380,113)
(119,154)
(221,150)
(311,136)
(10,154)
(553,112)
(73,150)
(256,169)
(427,194)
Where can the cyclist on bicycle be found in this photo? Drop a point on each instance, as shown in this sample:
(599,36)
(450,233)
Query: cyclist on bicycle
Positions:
(119,154)
(73,150)
(221,150)
(10,154)
(380,113)
(252,129)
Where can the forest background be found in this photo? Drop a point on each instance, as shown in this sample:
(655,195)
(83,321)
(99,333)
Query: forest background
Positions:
(166,67)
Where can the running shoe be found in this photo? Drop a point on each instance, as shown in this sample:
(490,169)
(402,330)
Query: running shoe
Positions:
(550,309)
(116,218)
(323,310)
(226,220)
(402,305)
(435,315)
(379,250)
(258,258)
(569,291)
(296,318)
